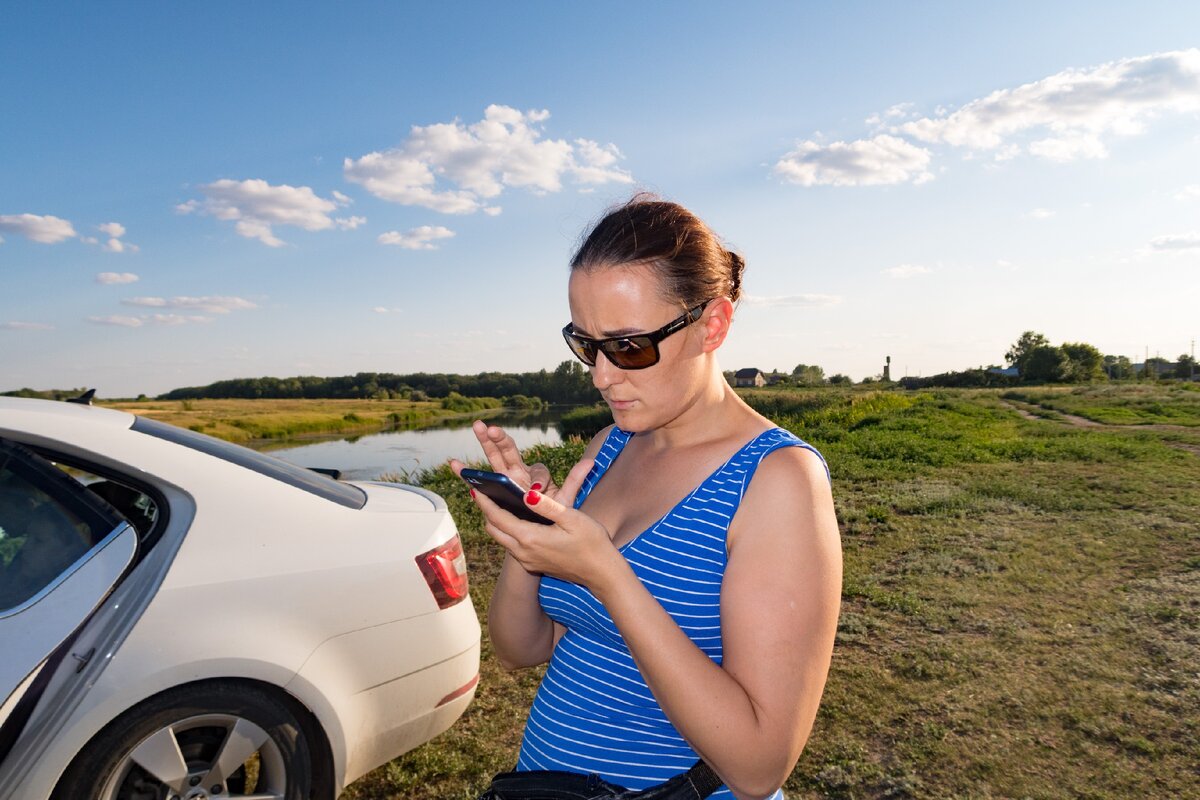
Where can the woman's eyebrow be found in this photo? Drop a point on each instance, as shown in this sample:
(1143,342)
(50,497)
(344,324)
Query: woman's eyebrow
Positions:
(607,334)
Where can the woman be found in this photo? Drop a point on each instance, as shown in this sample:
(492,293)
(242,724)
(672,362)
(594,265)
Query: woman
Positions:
(686,610)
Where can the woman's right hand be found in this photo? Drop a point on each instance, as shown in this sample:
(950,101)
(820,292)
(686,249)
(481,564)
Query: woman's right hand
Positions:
(505,457)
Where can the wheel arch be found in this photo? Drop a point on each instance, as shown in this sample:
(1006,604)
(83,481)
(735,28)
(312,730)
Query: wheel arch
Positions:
(324,769)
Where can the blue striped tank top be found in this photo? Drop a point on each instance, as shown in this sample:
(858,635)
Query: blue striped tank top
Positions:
(593,711)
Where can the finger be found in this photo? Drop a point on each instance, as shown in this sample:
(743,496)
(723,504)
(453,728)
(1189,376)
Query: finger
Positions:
(493,514)
(490,450)
(503,539)
(539,477)
(457,466)
(509,452)
(548,507)
(574,481)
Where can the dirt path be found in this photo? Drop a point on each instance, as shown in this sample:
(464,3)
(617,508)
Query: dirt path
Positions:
(1082,422)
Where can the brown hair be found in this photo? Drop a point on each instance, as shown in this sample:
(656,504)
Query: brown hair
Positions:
(684,253)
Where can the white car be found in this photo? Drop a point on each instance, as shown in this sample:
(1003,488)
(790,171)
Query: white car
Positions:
(185,618)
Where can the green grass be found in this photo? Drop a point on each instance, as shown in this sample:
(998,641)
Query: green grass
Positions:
(1020,615)
(256,420)
(1154,403)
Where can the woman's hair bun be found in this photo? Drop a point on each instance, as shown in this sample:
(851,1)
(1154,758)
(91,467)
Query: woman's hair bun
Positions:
(737,265)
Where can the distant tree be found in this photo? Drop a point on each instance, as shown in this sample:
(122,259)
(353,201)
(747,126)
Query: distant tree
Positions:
(1046,364)
(1155,367)
(839,378)
(808,374)
(1118,367)
(1084,362)
(1185,367)
(1018,355)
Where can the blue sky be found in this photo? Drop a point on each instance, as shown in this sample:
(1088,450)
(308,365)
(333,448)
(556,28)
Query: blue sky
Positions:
(195,192)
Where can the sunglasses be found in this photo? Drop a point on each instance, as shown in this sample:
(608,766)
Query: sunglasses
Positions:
(629,352)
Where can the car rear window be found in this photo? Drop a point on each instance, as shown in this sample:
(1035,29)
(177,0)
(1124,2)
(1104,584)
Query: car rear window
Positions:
(312,482)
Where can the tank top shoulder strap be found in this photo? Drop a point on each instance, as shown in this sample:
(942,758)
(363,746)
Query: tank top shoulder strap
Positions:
(614,443)
(742,466)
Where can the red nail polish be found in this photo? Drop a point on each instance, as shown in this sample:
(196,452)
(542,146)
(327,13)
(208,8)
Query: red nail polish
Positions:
(472,494)
(536,487)
(532,498)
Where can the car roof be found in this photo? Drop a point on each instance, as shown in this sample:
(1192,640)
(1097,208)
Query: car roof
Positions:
(38,412)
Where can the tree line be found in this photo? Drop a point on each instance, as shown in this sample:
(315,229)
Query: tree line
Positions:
(569,382)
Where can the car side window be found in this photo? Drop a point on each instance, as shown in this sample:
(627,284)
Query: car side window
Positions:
(46,524)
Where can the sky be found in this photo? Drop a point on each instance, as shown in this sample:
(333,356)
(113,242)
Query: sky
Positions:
(196,192)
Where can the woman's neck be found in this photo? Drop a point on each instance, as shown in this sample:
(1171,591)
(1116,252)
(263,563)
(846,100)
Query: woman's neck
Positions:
(714,412)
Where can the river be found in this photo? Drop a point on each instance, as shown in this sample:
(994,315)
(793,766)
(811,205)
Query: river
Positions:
(369,456)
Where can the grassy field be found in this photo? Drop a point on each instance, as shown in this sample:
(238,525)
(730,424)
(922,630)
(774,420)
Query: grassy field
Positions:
(249,420)
(1021,607)
(1167,403)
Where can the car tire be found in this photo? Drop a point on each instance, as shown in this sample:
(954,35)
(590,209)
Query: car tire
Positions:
(196,742)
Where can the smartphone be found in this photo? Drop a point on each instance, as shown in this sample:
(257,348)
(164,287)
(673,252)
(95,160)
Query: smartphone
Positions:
(505,493)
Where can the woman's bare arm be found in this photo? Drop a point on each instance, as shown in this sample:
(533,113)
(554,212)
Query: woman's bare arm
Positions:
(750,717)
(522,634)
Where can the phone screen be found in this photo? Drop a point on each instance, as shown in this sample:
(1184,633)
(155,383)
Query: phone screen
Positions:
(504,492)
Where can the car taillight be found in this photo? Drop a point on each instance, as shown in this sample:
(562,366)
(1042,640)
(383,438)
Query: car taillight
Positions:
(445,570)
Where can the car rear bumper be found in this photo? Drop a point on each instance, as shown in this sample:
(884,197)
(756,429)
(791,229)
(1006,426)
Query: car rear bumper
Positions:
(382,711)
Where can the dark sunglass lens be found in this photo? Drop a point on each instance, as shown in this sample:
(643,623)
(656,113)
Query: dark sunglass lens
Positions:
(585,352)
(637,352)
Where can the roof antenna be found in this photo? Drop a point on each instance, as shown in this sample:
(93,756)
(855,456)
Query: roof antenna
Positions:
(84,399)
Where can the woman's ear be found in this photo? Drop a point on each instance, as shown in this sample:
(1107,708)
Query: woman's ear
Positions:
(716,321)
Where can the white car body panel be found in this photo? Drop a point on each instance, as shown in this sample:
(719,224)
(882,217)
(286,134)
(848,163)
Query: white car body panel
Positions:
(330,607)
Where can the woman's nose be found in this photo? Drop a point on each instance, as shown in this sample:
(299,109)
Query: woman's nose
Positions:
(605,373)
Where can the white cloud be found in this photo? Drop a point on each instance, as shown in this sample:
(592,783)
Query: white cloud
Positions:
(1040,213)
(1075,107)
(1181,241)
(176,319)
(882,160)
(386,310)
(256,206)
(116,277)
(421,238)
(493,211)
(454,168)
(342,199)
(1191,192)
(118,320)
(209,304)
(17,325)
(793,300)
(349,223)
(1064,117)
(896,112)
(113,230)
(45,229)
(121,321)
(906,271)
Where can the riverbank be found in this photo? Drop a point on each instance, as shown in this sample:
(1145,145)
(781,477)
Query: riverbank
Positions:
(245,421)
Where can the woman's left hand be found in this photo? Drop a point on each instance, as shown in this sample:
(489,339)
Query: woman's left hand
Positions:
(575,548)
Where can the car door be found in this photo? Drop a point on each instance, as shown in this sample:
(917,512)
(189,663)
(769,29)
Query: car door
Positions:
(62,551)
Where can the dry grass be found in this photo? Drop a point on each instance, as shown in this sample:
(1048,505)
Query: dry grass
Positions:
(249,420)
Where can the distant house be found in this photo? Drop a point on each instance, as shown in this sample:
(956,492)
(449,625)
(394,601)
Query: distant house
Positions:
(1009,372)
(748,377)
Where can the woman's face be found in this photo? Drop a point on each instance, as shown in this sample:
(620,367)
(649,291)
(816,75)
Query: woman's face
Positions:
(622,300)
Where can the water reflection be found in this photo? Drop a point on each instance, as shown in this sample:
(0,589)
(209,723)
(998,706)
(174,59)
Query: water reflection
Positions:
(368,456)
